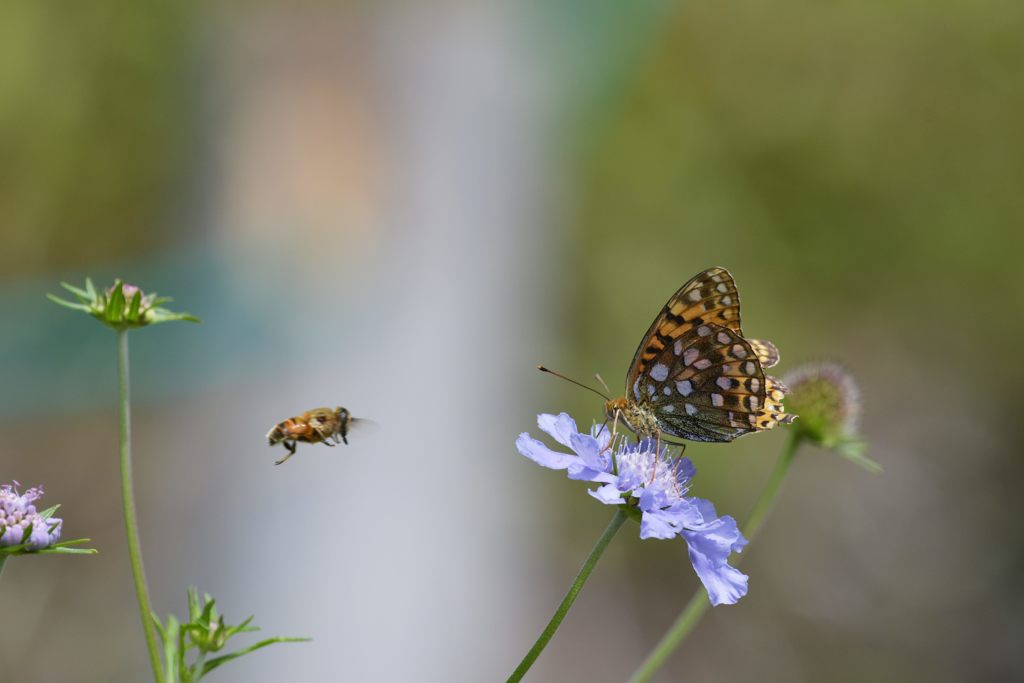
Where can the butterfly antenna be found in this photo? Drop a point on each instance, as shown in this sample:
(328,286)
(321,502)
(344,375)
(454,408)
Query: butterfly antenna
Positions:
(556,374)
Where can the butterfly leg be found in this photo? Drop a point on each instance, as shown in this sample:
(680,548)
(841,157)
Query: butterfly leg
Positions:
(657,453)
(679,459)
(615,429)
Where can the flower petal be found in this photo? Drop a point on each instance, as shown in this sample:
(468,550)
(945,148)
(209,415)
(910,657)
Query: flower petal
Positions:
(725,584)
(542,455)
(657,525)
(560,427)
(607,494)
(580,472)
(709,549)
(589,450)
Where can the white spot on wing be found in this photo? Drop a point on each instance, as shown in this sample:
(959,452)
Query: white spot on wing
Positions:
(739,351)
(685,387)
(724,382)
(723,338)
(691,409)
(659,372)
(723,288)
(669,408)
(678,346)
(703,330)
(702,364)
(636,389)
(667,390)
(717,400)
(694,295)
(690,356)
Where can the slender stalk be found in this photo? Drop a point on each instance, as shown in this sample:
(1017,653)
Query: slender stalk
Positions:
(570,597)
(699,603)
(3,561)
(131,526)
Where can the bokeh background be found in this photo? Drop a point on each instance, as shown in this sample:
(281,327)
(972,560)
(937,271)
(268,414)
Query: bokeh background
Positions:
(402,208)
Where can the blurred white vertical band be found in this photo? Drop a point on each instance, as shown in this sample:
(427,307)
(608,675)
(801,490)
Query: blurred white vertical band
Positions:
(408,236)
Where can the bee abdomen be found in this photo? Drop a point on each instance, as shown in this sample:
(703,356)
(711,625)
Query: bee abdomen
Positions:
(278,433)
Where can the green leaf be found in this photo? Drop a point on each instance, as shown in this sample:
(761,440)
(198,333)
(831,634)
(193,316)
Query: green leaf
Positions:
(217,661)
(90,289)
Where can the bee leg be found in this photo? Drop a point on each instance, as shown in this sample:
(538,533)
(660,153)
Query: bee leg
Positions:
(344,439)
(324,438)
(291,451)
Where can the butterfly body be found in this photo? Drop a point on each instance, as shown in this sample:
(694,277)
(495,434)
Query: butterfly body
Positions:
(695,376)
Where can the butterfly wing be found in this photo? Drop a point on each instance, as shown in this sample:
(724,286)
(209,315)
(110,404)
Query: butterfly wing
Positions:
(708,297)
(709,385)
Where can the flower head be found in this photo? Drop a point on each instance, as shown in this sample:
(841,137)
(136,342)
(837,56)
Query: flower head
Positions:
(654,483)
(21,524)
(828,401)
(121,306)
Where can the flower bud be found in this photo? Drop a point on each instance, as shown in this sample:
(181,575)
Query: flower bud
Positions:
(827,400)
(121,306)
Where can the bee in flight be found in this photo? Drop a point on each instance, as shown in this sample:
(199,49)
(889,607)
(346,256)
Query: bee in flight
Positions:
(320,425)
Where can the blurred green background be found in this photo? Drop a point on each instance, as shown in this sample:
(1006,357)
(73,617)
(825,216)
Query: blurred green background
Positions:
(420,202)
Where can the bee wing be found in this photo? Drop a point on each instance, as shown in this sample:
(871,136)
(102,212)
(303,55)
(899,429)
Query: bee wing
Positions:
(364,425)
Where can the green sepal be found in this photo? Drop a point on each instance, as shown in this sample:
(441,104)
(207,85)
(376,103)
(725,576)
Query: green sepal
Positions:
(48,512)
(82,294)
(133,308)
(162,315)
(217,661)
(68,304)
(114,313)
(854,450)
(64,550)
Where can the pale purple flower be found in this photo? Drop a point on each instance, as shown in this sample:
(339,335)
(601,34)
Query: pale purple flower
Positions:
(654,482)
(20,523)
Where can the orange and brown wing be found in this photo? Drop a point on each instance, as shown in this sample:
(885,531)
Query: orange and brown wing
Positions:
(710,385)
(709,297)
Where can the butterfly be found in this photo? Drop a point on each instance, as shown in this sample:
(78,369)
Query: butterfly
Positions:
(694,375)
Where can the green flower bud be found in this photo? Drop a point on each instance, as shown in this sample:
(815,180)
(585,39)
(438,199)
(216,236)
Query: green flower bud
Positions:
(827,400)
(121,306)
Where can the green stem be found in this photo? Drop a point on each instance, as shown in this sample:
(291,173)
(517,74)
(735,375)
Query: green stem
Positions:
(3,561)
(131,526)
(570,597)
(698,605)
